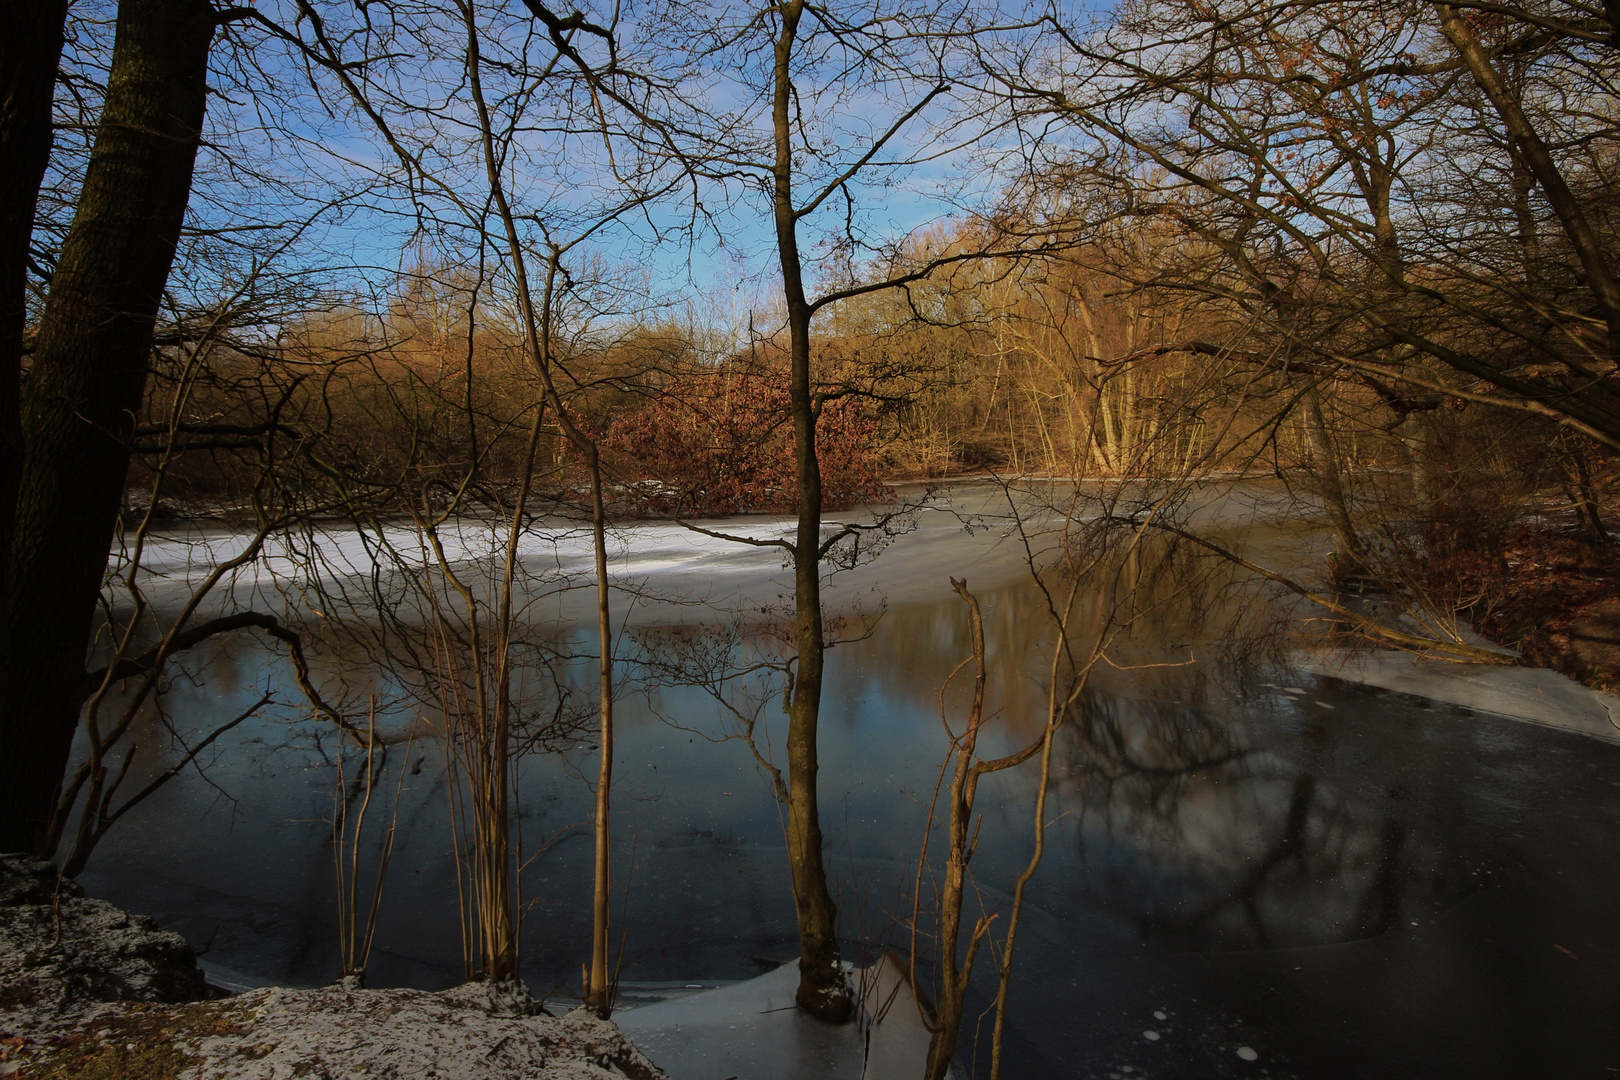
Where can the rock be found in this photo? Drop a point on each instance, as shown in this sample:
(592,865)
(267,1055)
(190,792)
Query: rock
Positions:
(460,1034)
(88,991)
(28,879)
(494,998)
(60,950)
(339,1032)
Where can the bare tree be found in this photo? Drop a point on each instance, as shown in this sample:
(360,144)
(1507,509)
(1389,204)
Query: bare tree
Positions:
(1362,205)
(800,123)
(537,171)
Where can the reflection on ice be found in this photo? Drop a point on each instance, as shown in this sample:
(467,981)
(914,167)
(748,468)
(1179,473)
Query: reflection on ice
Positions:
(1205,839)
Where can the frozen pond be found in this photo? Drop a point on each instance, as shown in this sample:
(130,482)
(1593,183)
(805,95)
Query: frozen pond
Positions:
(1276,875)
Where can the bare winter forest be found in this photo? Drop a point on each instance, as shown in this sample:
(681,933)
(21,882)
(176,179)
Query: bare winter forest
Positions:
(329,324)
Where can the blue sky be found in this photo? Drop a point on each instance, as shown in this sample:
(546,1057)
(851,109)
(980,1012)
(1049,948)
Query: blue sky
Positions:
(285,150)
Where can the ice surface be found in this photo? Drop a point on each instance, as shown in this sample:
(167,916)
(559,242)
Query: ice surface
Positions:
(1534,694)
(652,564)
(752,1031)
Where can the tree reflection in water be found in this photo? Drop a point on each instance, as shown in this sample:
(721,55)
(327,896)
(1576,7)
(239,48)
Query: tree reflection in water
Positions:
(1205,840)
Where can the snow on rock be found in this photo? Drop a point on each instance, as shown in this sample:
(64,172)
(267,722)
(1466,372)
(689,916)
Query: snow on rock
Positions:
(59,949)
(89,992)
(340,1032)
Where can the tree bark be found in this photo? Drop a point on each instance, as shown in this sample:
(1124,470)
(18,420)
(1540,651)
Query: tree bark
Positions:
(954,978)
(84,388)
(599,990)
(1329,477)
(823,989)
(31,34)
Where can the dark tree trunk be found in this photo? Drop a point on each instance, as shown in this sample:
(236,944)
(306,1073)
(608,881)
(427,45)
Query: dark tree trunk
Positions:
(823,989)
(30,49)
(84,388)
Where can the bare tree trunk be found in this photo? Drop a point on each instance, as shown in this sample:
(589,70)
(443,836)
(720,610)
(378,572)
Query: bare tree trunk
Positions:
(599,991)
(823,990)
(31,33)
(954,978)
(598,988)
(1329,482)
(1530,149)
(537,321)
(1578,485)
(1524,217)
(85,388)
(1416,440)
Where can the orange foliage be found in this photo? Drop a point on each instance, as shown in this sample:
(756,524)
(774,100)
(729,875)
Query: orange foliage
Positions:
(721,442)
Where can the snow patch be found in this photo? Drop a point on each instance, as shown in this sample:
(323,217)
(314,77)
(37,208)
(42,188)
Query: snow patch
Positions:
(88,989)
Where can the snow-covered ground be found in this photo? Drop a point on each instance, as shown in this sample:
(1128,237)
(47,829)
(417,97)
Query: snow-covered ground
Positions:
(89,990)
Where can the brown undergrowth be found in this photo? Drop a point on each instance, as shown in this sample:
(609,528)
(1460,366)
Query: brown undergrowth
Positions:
(1555,597)
(141,1042)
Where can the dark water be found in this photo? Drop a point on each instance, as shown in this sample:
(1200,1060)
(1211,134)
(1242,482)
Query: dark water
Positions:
(1346,883)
